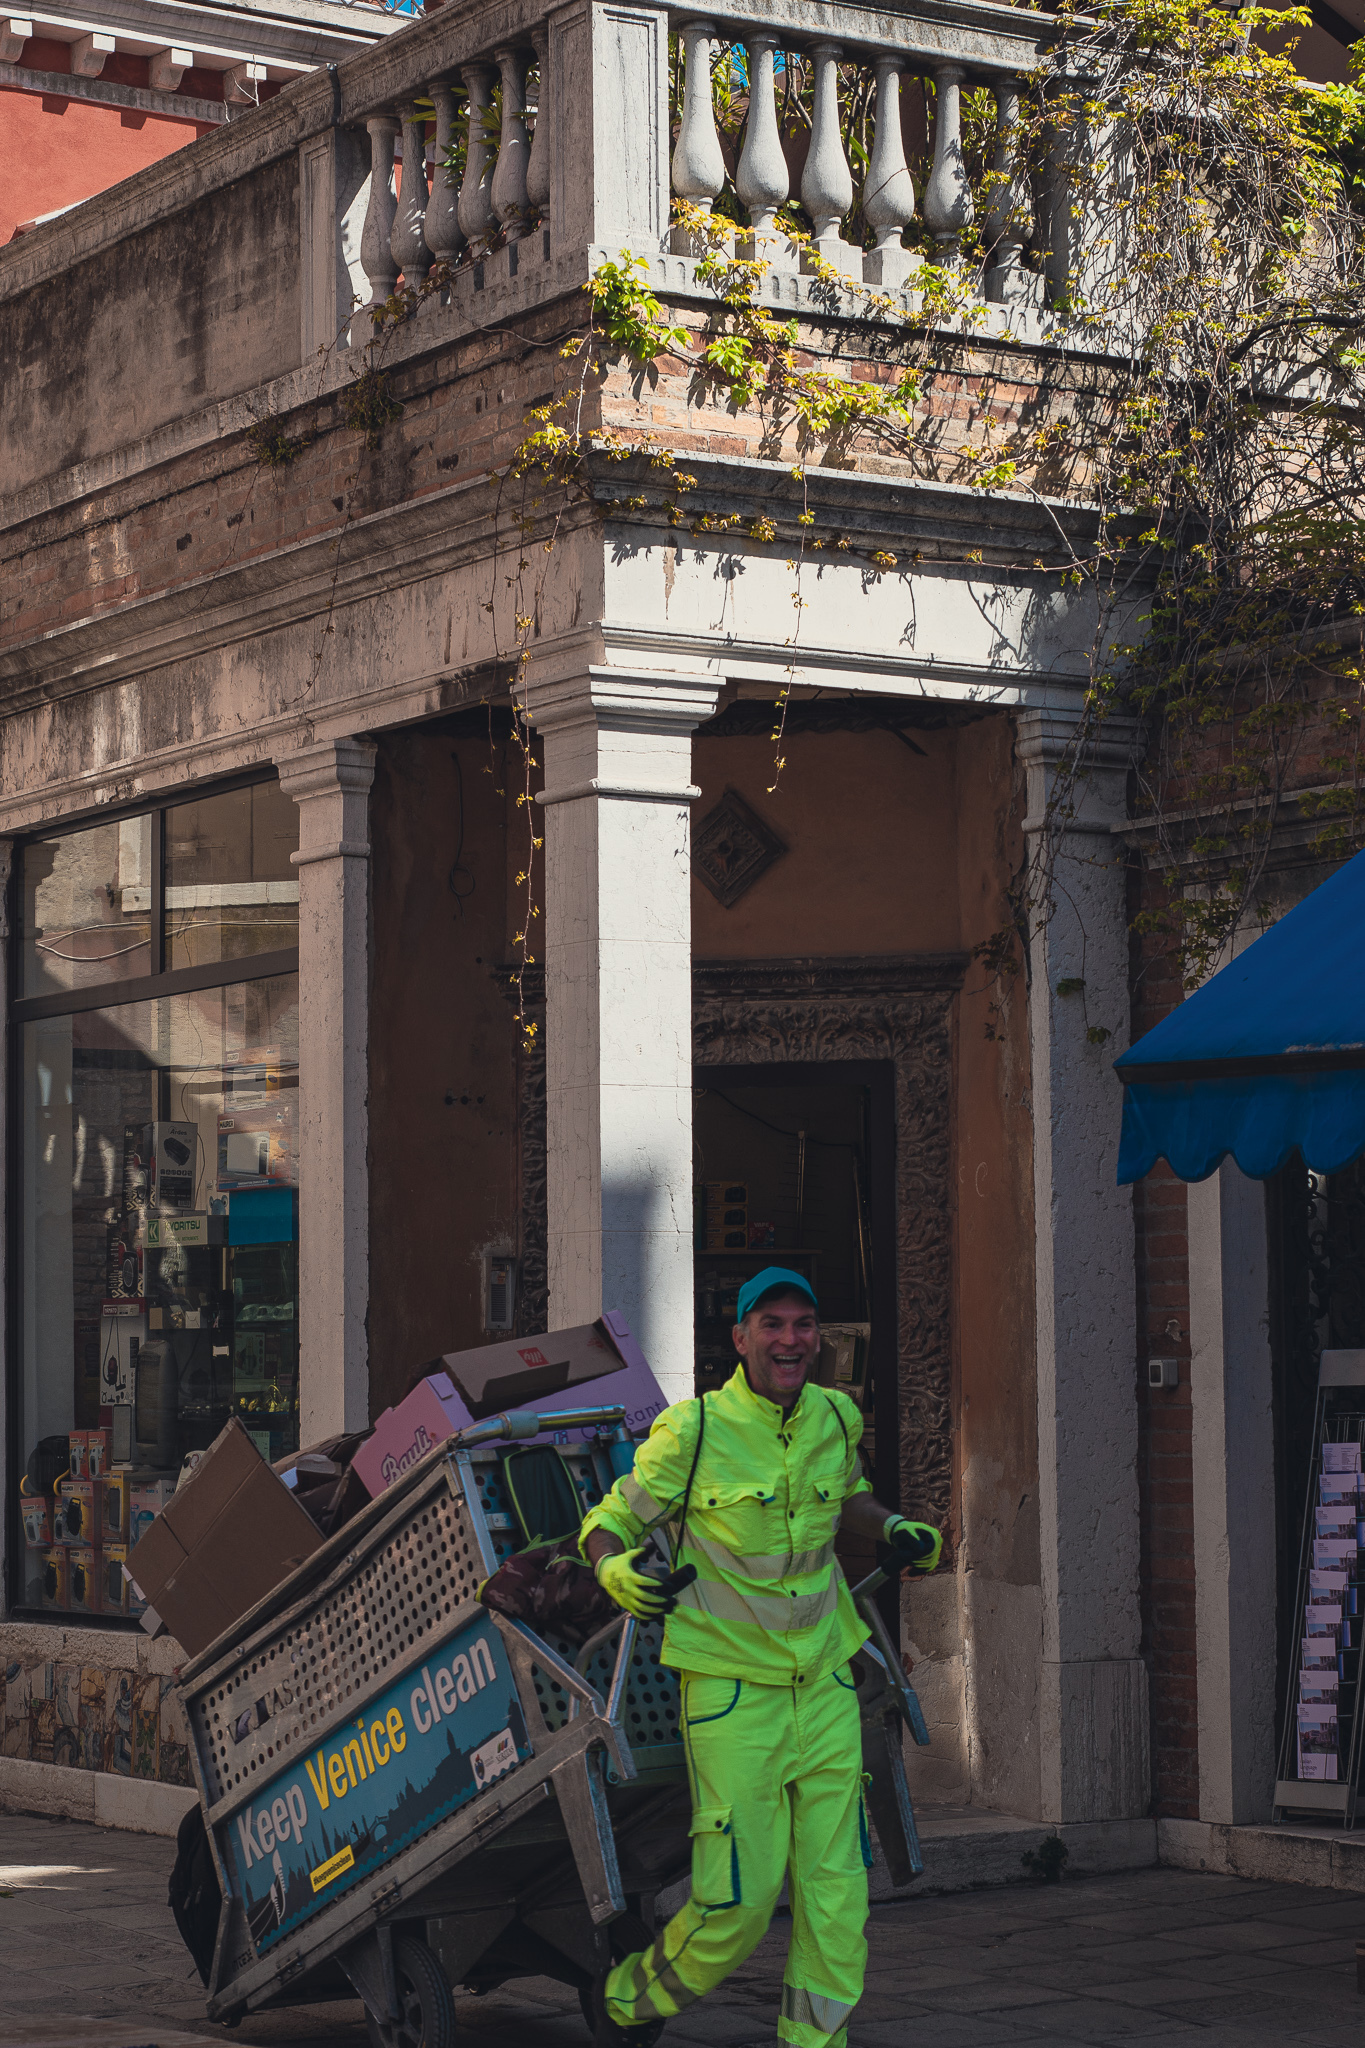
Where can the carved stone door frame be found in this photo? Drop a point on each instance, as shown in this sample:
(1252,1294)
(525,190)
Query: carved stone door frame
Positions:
(896,1009)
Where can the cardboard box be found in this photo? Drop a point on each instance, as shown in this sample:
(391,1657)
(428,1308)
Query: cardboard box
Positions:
(35,1511)
(98,1449)
(85,1570)
(77,1454)
(223,1540)
(80,1512)
(116,1589)
(595,1364)
(55,1580)
(114,1522)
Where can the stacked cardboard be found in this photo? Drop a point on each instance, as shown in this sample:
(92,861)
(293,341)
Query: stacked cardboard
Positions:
(1330,1614)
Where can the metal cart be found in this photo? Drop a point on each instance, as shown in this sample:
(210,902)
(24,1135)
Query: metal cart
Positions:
(402,1790)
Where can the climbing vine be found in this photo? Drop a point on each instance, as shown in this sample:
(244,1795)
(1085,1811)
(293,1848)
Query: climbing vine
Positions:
(1203,403)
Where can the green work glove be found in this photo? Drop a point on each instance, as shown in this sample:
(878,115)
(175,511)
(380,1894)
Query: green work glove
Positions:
(634,1590)
(915,1542)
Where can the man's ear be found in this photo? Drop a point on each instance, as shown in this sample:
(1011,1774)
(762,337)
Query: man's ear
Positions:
(740,1334)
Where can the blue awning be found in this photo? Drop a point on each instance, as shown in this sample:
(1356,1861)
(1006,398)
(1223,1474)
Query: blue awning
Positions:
(1267,1058)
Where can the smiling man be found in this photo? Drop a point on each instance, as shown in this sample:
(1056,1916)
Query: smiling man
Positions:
(751,1484)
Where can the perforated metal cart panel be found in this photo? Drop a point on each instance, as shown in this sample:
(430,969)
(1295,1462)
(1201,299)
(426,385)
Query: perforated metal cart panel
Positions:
(650,1712)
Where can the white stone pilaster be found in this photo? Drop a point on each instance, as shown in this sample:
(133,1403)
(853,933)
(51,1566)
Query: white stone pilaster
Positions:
(6,866)
(1233,1457)
(618,1025)
(330,782)
(1093,1733)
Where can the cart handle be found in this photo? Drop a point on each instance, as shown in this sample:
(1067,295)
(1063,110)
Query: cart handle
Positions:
(906,1699)
(616,1691)
(521,1422)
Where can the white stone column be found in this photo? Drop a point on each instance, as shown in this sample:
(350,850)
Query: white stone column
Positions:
(330,782)
(1233,1457)
(1093,1721)
(6,1277)
(618,1025)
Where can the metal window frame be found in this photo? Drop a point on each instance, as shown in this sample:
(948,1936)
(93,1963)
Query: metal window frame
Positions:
(73,1002)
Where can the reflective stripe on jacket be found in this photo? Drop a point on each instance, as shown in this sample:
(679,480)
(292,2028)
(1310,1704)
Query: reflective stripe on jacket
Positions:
(770,1602)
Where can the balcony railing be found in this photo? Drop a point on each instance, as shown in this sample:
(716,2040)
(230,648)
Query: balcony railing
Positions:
(553,138)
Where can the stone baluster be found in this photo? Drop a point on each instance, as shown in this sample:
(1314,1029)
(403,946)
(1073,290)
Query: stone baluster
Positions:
(1006,281)
(508,189)
(538,169)
(444,238)
(407,241)
(889,192)
(762,182)
(826,183)
(477,218)
(376,256)
(948,206)
(698,165)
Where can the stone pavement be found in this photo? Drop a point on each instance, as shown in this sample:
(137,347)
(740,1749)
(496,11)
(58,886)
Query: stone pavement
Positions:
(90,1958)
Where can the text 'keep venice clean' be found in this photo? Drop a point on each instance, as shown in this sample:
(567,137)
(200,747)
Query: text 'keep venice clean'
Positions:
(364,1755)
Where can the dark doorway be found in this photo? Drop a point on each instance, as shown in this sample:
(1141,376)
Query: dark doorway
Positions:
(794,1165)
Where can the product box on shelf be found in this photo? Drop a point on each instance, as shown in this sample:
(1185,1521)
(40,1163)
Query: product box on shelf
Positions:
(77,1454)
(114,1523)
(35,1512)
(116,1591)
(54,1590)
(98,1449)
(146,1499)
(85,1569)
(82,1510)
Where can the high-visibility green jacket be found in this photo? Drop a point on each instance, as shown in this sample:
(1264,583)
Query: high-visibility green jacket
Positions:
(770,1603)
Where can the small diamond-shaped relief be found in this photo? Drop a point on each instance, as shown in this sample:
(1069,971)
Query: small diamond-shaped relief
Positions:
(732,847)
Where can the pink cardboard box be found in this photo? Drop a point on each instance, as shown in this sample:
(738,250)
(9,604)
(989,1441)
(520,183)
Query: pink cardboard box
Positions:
(435,1409)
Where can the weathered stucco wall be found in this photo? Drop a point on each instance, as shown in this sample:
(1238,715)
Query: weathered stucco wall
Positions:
(443,1124)
(199,307)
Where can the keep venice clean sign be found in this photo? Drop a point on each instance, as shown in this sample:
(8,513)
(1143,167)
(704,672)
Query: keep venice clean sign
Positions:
(417,1753)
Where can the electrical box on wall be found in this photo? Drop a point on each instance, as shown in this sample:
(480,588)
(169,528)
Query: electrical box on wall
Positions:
(499,1290)
(1163,1372)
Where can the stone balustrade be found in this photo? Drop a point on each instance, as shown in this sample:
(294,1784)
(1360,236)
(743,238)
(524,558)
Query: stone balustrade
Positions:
(566,131)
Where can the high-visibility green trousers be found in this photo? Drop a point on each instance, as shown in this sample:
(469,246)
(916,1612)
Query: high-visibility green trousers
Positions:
(776,1777)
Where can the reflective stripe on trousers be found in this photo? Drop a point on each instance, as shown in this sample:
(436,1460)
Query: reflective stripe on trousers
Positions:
(775,1775)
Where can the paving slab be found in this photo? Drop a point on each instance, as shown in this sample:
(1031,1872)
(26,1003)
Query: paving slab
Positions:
(1115,1960)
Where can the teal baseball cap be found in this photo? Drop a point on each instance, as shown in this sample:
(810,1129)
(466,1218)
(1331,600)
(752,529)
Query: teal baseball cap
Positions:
(774,1280)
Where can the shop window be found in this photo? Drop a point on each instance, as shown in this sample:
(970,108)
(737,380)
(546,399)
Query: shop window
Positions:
(85,908)
(155,1208)
(230,888)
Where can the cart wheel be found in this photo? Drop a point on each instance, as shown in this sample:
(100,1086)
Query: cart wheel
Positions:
(647,2038)
(424,1998)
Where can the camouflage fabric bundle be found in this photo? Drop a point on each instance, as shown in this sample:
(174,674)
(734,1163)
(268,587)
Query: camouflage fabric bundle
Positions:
(551,1591)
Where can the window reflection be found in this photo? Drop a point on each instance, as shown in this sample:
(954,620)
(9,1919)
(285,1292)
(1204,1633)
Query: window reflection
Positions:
(231,889)
(158,1237)
(85,903)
